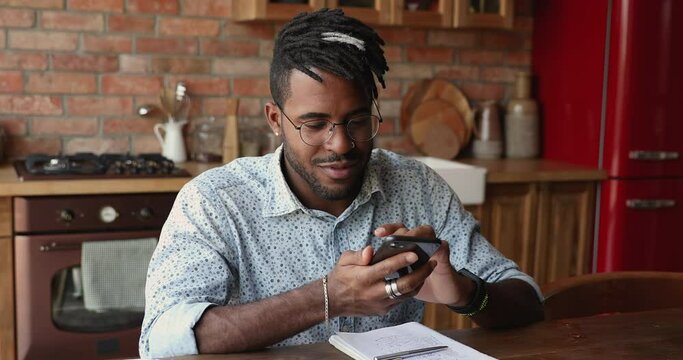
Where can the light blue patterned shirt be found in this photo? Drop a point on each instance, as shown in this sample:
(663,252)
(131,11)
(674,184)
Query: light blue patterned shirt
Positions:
(237,234)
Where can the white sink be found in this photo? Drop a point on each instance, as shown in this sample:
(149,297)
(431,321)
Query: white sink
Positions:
(467,181)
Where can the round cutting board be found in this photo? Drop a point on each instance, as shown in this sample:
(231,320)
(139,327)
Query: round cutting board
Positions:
(434,138)
(441,111)
(441,89)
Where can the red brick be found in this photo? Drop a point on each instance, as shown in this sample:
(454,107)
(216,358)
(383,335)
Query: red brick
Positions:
(130,84)
(458,72)
(96,5)
(14,126)
(524,24)
(502,74)
(266,49)
(97,105)
(212,86)
(251,87)
(64,126)
(481,91)
(263,31)
(207,8)
(134,64)
(393,53)
(399,36)
(229,48)
(166,46)
(97,145)
(153,6)
(60,20)
(388,126)
(518,58)
(454,38)
(410,71)
(145,144)
(34,4)
(501,40)
(241,67)
(393,90)
(20,146)
(107,43)
(181,65)
(3,40)
(429,55)
(480,57)
(216,106)
(129,125)
(188,27)
(31,104)
(43,40)
(97,63)
(131,23)
(23,61)
(11,82)
(59,83)
(17,18)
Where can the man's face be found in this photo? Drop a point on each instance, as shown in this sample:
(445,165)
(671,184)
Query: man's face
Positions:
(333,170)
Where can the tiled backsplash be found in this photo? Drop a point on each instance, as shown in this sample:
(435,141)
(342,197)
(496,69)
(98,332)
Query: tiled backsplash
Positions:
(72,72)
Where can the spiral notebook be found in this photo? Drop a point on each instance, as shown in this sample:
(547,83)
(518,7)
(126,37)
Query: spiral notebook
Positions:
(408,336)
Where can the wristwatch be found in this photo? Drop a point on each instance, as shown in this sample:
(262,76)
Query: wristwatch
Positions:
(479,300)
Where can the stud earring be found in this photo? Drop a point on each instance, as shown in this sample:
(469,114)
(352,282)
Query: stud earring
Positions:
(277,133)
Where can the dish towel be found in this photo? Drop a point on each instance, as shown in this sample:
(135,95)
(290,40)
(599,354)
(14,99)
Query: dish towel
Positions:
(114,273)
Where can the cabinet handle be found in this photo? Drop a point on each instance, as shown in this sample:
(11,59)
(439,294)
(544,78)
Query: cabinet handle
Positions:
(652,155)
(54,246)
(650,203)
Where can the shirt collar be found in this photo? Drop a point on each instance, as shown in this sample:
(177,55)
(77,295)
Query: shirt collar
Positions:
(282,201)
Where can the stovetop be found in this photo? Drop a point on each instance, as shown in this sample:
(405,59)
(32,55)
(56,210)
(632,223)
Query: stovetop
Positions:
(91,166)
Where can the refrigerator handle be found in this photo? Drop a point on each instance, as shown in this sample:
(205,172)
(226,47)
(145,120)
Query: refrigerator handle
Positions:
(652,155)
(650,203)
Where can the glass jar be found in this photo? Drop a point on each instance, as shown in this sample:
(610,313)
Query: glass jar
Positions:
(207,141)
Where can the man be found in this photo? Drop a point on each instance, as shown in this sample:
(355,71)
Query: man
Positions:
(277,250)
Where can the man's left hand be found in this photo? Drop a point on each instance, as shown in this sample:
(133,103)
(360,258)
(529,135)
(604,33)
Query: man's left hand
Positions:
(444,285)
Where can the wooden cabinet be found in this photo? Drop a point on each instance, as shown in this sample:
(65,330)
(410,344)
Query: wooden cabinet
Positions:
(483,13)
(6,281)
(546,227)
(414,13)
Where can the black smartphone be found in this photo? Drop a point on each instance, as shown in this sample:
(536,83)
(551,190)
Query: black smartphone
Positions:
(396,244)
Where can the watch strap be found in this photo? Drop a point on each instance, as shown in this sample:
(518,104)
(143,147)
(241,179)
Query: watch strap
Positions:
(479,300)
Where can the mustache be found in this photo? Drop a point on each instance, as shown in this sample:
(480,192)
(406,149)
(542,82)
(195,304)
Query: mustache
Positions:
(334,157)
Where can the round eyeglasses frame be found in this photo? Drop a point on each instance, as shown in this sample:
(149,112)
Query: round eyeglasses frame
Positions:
(331,130)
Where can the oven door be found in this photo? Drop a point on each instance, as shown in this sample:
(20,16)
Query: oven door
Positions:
(52,321)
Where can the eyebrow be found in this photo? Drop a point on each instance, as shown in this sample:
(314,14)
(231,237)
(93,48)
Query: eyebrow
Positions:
(319,115)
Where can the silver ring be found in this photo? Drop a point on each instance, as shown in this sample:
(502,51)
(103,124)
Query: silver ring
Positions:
(387,289)
(394,288)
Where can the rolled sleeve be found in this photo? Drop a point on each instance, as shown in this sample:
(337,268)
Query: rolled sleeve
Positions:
(173,332)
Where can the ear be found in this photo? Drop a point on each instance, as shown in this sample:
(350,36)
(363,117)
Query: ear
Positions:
(273,117)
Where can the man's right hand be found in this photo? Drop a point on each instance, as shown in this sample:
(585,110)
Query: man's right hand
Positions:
(357,288)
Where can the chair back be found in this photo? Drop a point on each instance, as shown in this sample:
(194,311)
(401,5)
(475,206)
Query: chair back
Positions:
(628,291)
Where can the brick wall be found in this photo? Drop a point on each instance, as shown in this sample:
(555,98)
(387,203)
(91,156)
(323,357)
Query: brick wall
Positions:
(73,72)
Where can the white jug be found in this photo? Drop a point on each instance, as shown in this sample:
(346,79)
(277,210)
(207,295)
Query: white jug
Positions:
(172,143)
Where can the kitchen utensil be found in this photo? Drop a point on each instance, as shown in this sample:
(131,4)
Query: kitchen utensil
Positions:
(488,140)
(434,138)
(150,111)
(207,141)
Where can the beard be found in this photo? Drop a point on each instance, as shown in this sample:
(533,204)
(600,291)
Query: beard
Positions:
(327,192)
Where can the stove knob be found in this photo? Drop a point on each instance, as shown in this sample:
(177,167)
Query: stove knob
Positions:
(66,215)
(108,214)
(145,213)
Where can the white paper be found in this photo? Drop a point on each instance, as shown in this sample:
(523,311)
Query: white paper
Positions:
(409,336)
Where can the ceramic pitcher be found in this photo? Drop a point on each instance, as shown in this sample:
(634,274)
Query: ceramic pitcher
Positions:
(172,143)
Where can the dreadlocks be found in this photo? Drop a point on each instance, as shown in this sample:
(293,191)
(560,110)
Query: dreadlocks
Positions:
(328,40)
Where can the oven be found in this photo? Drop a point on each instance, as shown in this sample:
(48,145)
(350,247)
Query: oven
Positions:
(81,262)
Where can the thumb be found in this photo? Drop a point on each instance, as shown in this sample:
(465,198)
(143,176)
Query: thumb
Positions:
(361,257)
(366,255)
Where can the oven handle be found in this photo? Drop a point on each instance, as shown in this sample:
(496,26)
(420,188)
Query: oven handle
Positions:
(55,246)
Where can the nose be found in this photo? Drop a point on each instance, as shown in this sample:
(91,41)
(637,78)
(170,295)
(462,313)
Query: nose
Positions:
(340,142)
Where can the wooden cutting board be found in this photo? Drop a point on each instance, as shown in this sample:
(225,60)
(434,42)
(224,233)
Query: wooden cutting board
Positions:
(440,89)
(441,111)
(434,138)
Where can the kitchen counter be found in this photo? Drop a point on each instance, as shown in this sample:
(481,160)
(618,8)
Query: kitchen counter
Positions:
(498,171)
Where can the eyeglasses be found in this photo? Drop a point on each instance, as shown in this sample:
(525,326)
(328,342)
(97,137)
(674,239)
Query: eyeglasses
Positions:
(316,132)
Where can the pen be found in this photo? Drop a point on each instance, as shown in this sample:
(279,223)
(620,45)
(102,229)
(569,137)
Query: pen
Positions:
(410,353)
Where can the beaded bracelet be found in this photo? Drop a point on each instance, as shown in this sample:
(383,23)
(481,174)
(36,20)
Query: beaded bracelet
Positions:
(327,302)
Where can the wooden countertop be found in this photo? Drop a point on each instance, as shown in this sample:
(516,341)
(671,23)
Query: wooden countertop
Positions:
(10,185)
(499,171)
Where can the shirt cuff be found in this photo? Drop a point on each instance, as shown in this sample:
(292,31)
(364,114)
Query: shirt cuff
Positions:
(172,334)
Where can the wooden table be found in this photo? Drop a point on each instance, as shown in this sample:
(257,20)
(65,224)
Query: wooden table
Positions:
(643,335)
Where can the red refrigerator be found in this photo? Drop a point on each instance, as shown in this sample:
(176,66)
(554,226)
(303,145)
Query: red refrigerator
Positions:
(610,84)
